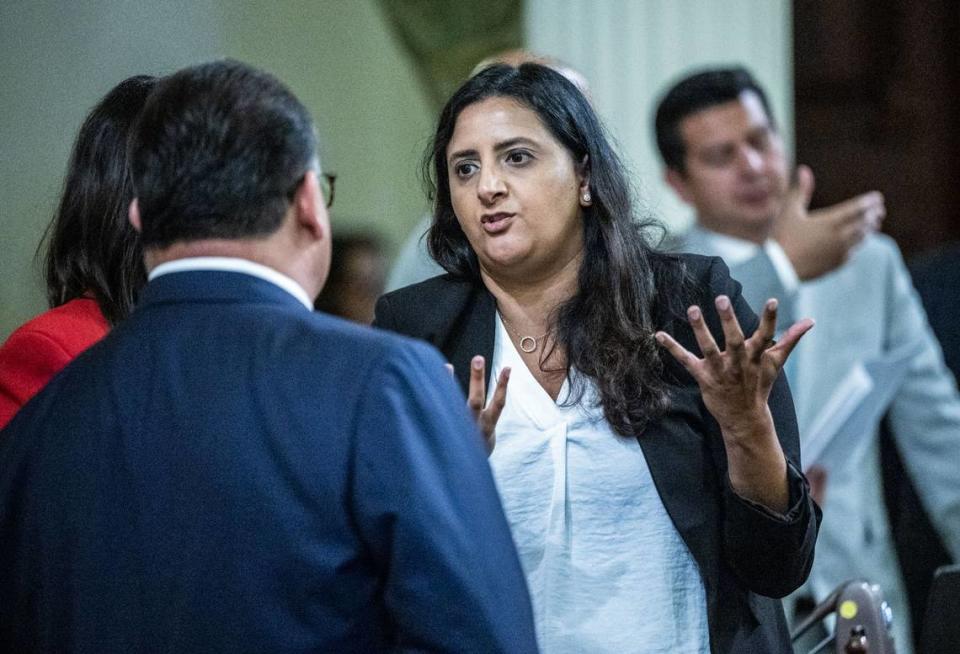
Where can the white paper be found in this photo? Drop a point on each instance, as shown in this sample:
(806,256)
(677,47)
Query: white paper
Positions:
(845,425)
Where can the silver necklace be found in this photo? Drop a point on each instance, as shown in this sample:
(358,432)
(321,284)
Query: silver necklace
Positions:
(528,344)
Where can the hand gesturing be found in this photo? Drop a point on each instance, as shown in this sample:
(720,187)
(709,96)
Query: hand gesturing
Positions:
(736,382)
(486,416)
(819,241)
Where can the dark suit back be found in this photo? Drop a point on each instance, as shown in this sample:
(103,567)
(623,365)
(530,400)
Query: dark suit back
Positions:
(231,472)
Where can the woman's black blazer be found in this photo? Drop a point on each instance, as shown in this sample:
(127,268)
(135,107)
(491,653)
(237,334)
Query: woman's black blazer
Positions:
(748,556)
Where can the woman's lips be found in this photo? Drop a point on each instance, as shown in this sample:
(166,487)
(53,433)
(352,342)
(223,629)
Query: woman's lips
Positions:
(494,223)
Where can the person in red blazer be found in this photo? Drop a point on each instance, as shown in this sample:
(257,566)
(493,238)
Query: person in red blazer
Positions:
(93,264)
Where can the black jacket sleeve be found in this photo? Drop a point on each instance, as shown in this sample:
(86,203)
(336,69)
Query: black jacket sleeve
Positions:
(770,553)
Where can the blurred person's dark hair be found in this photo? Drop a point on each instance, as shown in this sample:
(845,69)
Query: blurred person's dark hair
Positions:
(357,277)
(619,287)
(257,142)
(90,246)
(694,93)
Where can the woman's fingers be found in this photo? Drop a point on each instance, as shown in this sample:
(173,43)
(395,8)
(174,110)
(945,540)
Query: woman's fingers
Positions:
(734,342)
(708,346)
(684,357)
(490,415)
(739,352)
(493,410)
(476,394)
(789,340)
(762,339)
(485,415)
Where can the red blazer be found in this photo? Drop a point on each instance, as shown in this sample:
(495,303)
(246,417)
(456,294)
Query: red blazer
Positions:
(42,347)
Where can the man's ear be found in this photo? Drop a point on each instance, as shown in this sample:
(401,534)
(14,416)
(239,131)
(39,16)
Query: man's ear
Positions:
(308,206)
(133,215)
(675,180)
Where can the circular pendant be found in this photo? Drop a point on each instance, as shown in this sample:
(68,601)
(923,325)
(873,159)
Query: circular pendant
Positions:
(528,344)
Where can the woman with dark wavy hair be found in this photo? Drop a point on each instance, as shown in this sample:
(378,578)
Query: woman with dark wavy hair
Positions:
(93,263)
(656,499)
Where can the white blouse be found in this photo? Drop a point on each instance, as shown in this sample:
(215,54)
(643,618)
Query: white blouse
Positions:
(606,568)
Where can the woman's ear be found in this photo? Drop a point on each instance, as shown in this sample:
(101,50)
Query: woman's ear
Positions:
(133,215)
(583,172)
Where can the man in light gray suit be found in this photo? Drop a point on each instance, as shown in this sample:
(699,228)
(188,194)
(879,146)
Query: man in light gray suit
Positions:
(724,157)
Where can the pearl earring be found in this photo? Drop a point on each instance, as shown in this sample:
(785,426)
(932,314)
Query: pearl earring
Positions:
(586,197)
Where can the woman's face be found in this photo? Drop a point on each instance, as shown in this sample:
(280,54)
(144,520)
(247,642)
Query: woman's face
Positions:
(516,190)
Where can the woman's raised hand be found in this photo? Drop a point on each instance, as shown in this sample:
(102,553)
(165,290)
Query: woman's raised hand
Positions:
(488,416)
(735,384)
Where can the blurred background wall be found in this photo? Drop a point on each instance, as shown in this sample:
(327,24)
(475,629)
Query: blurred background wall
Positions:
(874,86)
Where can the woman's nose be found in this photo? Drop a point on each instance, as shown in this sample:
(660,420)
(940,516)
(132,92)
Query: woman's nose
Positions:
(491,184)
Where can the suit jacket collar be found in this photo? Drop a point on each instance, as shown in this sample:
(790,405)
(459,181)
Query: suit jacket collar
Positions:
(212,286)
(463,323)
(465,326)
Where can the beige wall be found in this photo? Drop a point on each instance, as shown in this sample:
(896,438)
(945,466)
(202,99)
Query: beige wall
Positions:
(58,58)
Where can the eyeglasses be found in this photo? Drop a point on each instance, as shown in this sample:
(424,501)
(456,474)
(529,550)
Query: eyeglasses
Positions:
(328,186)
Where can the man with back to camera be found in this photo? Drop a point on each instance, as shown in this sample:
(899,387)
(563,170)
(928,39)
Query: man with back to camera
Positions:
(724,157)
(230,471)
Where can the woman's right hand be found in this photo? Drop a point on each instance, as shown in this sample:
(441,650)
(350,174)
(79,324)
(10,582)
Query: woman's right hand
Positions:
(486,416)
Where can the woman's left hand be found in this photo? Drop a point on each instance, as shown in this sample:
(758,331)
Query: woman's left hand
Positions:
(735,384)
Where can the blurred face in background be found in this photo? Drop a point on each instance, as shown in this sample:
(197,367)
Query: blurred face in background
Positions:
(516,191)
(357,279)
(736,171)
(364,279)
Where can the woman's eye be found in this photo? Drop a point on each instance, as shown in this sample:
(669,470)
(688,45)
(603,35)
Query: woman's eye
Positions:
(465,169)
(518,157)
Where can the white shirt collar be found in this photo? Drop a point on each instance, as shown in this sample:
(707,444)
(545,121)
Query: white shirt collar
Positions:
(234,264)
(731,249)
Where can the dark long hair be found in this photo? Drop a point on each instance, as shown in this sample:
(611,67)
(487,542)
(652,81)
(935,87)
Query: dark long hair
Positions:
(91,248)
(607,327)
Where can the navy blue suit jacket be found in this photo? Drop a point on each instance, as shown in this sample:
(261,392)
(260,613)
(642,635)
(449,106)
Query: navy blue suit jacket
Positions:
(228,471)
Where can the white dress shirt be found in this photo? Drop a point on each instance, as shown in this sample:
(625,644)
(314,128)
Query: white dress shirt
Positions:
(606,568)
